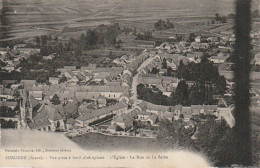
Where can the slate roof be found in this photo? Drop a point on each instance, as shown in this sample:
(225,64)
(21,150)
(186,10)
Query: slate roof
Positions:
(71,121)
(53,78)
(8,103)
(37,94)
(47,112)
(33,101)
(186,111)
(159,108)
(102,111)
(153,117)
(122,118)
(39,123)
(71,107)
(167,115)
(28,82)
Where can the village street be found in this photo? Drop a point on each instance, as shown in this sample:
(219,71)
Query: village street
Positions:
(135,81)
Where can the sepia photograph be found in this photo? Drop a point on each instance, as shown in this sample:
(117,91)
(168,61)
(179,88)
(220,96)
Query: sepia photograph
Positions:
(130,83)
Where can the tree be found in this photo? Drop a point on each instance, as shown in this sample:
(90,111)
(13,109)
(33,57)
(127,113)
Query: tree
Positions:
(183,72)
(91,37)
(55,100)
(17,94)
(217,145)
(164,63)
(8,124)
(140,91)
(217,17)
(192,37)
(169,71)
(63,78)
(221,85)
(224,20)
(154,71)
(181,95)
(37,40)
(194,96)
(173,135)
(6,112)
(163,25)
(134,31)
(43,40)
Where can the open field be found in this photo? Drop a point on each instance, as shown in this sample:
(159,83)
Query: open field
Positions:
(30,15)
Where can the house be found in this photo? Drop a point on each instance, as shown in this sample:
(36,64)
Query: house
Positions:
(70,67)
(9,68)
(42,125)
(197,46)
(74,80)
(218,59)
(88,76)
(226,114)
(70,124)
(171,64)
(165,46)
(156,109)
(177,111)
(101,101)
(187,113)
(189,124)
(28,83)
(124,57)
(162,71)
(125,97)
(38,95)
(10,104)
(128,71)
(168,115)
(152,108)
(193,57)
(54,81)
(6,94)
(70,108)
(123,121)
(149,118)
(197,109)
(93,116)
(47,119)
(118,61)
(110,92)
(49,57)
(68,74)
(198,39)
(210,109)
(29,51)
(212,39)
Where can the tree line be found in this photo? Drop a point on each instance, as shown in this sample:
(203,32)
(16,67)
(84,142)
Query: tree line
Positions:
(163,25)
(101,35)
(213,139)
(199,82)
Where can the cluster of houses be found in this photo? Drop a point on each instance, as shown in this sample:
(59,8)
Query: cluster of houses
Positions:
(92,95)
(150,114)
(87,94)
(217,47)
(12,57)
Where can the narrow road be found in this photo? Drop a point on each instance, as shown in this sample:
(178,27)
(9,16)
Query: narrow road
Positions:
(136,79)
